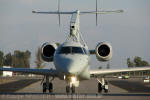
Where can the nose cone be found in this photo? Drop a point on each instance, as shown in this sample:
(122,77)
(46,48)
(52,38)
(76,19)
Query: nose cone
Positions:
(71,65)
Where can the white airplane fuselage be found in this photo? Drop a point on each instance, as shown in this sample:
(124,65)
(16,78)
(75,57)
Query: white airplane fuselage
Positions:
(72,62)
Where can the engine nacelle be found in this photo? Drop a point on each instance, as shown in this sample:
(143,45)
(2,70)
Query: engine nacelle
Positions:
(47,51)
(103,51)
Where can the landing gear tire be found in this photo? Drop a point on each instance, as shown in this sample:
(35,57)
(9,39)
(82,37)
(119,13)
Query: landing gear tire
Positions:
(106,87)
(67,89)
(73,89)
(50,87)
(99,88)
(44,87)
(106,90)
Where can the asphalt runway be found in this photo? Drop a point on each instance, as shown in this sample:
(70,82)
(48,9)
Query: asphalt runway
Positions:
(16,85)
(87,90)
(133,85)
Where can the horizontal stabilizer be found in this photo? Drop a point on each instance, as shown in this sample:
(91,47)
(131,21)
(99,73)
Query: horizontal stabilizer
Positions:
(102,12)
(82,12)
(52,12)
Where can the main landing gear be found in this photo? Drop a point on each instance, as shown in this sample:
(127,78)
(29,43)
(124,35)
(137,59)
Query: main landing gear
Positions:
(102,85)
(48,85)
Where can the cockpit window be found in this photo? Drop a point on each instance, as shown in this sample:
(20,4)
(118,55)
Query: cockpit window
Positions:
(85,51)
(77,50)
(72,50)
(65,50)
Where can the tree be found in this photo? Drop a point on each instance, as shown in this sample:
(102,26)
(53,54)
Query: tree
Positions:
(145,63)
(138,61)
(8,59)
(21,59)
(39,62)
(18,59)
(27,56)
(1,59)
(130,63)
(100,67)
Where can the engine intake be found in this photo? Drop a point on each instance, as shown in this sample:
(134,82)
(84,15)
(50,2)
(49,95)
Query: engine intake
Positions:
(103,51)
(48,50)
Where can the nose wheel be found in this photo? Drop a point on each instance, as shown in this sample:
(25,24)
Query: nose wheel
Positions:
(106,87)
(73,89)
(70,89)
(67,89)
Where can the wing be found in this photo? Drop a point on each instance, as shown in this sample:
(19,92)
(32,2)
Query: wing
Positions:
(113,71)
(50,72)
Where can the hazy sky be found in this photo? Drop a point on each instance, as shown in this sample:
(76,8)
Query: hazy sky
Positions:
(129,32)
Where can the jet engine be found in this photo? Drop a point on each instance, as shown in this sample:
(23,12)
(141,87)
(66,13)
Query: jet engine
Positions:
(103,51)
(47,51)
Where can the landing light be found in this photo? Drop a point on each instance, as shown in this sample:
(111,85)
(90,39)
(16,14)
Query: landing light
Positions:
(64,77)
(73,79)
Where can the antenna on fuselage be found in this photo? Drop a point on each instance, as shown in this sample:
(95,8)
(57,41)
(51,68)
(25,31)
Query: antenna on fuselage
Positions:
(96,12)
(59,11)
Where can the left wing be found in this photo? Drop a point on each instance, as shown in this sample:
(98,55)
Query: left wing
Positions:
(113,71)
(50,72)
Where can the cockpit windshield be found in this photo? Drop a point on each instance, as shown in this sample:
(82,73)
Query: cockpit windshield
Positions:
(72,50)
(77,50)
(65,50)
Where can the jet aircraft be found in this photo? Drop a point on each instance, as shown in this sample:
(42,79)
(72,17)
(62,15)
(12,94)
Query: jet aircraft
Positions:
(72,58)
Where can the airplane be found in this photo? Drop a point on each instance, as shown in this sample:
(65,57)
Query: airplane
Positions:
(72,58)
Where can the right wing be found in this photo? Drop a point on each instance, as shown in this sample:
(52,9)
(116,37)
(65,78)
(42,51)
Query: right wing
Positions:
(50,72)
(114,71)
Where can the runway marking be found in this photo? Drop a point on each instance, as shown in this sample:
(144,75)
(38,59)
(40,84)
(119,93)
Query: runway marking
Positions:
(50,95)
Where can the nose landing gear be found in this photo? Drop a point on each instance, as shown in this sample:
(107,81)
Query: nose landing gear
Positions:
(72,82)
(68,89)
